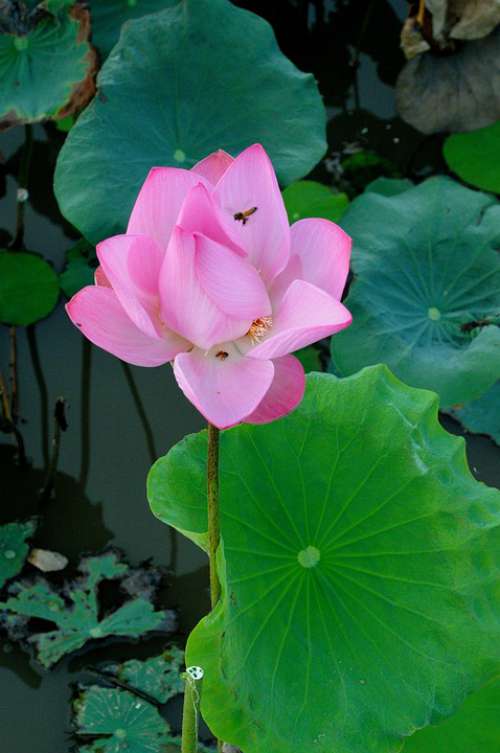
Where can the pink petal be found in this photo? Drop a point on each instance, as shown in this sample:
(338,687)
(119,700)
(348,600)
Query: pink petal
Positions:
(225,390)
(200,213)
(284,394)
(249,183)
(159,202)
(214,166)
(132,265)
(325,251)
(305,315)
(100,278)
(97,312)
(208,293)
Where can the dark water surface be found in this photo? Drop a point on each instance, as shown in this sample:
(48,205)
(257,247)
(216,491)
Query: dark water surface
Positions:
(121,418)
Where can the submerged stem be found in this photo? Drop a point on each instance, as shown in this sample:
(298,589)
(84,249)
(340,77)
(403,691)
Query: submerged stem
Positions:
(213,510)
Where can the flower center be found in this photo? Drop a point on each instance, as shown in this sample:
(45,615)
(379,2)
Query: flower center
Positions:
(259,328)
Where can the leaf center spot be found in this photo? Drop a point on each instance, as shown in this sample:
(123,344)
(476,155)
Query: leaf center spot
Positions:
(309,557)
(433,313)
(179,155)
(21,43)
(9,554)
(121,733)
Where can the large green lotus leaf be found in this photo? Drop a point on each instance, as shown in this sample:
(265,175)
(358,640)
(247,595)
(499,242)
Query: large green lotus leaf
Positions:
(359,569)
(109,15)
(14,548)
(29,288)
(474,156)
(482,416)
(426,284)
(307,198)
(76,612)
(475,728)
(47,72)
(168,96)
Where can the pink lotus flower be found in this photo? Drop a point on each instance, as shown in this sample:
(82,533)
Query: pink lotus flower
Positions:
(209,275)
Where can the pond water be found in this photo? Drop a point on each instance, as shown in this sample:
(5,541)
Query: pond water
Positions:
(121,418)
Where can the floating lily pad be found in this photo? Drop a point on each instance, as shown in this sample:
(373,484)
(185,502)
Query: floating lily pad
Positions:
(48,71)
(475,728)
(159,676)
(29,288)
(14,548)
(481,416)
(474,156)
(426,290)
(81,263)
(359,567)
(191,103)
(121,721)
(307,198)
(108,18)
(80,622)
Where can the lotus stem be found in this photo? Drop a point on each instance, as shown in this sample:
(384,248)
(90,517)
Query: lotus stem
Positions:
(213,510)
(192,688)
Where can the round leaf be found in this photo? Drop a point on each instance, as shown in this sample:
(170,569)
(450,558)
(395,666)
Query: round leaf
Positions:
(474,156)
(48,71)
(29,288)
(426,291)
(358,564)
(475,728)
(168,96)
(121,722)
(306,198)
(108,17)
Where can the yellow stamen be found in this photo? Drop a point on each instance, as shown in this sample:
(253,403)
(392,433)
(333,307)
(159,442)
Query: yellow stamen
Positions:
(259,328)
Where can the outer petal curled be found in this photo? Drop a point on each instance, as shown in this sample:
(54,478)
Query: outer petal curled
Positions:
(324,251)
(97,312)
(131,264)
(209,294)
(249,183)
(159,202)
(224,389)
(213,167)
(284,394)
(305,315)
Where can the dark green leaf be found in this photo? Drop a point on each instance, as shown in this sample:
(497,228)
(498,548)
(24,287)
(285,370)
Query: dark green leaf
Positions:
(109,16)
(29,288)
(426,290)
(159,677)
(79,623)
(81,263)
(14,548)
(309,358)
(474,156)
(48,71)
(122,722)
(481,416)
(359,566)
(167,96)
